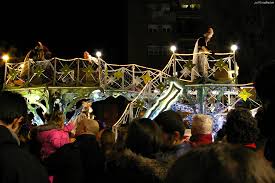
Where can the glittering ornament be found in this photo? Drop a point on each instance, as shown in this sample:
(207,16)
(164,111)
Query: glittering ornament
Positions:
(137,81)
(118,75)
(13,73)
(139,103)
(39,71)
(88,70)
(244,94)
(189,65)
(146,78)
(221,65)
(65,70)
(161,87)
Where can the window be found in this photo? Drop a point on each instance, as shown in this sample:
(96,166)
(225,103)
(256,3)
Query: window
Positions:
(184,6)
(153,28)
(195,6)
(153,50)
(166,28)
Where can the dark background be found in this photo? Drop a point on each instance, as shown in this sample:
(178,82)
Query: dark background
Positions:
(72,27)
(67,28)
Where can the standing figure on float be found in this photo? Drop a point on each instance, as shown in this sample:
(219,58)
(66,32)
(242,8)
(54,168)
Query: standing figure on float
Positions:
(200,54)
(39,53)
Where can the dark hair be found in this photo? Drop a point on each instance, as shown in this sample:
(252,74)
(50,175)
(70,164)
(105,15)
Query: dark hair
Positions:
(170,121)
(144,137)
(12,105)
(241,127)
(218,163)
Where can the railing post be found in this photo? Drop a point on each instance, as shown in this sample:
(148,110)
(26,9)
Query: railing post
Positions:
(29,69)
(122,80)
(229,63)
(77,74)
(54,72)
(133,75)
(99,72)
(131,113)
(5,75)
(105,74)
(174,66)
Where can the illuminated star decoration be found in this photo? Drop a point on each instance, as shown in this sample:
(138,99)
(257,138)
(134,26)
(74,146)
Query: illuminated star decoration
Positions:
(118,74)
(39,71)
(161,87)
(137,81)
(65,70)
(189,65)
(221,65)
(88,70)
(13,74)
(139,103)
(185,72)
(244,95)
(146,78)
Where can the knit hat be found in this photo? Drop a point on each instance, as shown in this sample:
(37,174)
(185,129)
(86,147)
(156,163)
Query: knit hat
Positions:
(201,124)
(170,121)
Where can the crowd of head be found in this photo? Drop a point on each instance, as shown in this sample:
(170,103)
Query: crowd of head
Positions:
(165,149)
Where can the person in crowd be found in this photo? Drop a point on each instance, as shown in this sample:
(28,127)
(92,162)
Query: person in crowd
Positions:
(202,126)
(173,131)
(241,128)
(107,141)
(136,162)
(200,55)
(16,165)
(81,161)
(266,95)
(221,162)
(54,134)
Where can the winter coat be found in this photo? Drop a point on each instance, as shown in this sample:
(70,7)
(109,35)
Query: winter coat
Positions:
(52,138)
(17,165)
(127,166)
(78,162)
(174,152)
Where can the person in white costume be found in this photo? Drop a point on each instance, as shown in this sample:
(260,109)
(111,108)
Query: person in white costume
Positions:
(200,54)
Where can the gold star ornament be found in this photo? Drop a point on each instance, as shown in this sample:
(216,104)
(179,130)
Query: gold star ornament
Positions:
(244,95)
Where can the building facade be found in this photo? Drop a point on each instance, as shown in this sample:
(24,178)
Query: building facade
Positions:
(155,25)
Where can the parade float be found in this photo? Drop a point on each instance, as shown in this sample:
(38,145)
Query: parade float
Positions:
(64,82)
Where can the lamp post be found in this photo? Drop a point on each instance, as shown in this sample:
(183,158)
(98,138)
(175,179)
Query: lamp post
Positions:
(173,48)
(99,54)
(234,48)
(5,59)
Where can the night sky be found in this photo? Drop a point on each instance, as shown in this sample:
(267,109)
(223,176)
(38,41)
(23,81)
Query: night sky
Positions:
(72,27)
(67,29)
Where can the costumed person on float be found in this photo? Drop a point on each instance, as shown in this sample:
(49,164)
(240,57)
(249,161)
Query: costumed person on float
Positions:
(39,53)
(200,55)
(88,110)
(90,58)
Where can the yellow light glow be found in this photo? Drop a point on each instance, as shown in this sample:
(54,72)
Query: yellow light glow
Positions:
(98,54)
(173,48)
(6,57)
(234,47)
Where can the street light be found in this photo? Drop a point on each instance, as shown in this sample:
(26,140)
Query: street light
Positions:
(234,48)
(5,57)
(98,54)
(173,48)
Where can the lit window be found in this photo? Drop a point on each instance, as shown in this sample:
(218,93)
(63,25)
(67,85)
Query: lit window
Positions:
(166,28)
(184,5)
(153,28)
